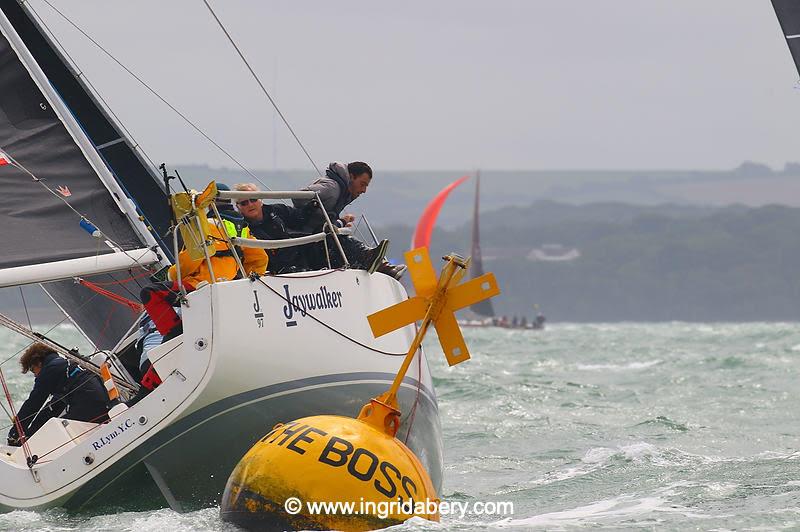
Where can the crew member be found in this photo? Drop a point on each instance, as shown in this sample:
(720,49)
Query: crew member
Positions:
(78,391)
(234,222)
(160,298)
(340,186)
(275,221)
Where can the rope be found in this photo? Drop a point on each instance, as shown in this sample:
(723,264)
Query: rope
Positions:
(20,433)
(122,281)
(156,94)
(72,356)
(18,165)
(263,89)
(48,331)
(133,305)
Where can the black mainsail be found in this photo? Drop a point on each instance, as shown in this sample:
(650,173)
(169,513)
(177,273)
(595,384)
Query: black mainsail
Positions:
(483,308)
(788,12)
(52,129)
(136,177)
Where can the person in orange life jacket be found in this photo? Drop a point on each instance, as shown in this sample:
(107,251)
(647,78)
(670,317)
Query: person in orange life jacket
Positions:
(160,298)
(78,391)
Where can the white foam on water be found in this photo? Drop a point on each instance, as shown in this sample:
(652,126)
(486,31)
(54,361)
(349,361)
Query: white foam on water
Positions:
(619,367)
(20,520)
(721,490)
(624,506)
(160,521)
(633,451)
(594,459)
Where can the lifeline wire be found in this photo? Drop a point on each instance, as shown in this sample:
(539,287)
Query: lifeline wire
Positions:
(263,89)
(340,333)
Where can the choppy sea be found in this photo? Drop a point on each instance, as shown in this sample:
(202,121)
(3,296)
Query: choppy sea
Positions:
(609,426)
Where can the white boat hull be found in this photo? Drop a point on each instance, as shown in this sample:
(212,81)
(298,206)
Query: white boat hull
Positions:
(246,361)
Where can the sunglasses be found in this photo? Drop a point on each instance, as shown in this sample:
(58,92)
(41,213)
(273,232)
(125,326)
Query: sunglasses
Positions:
(245,202)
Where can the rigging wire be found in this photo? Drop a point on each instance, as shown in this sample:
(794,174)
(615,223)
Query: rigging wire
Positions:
(25,306)
(19,166)
(260,84)
(20,433)
(152,91)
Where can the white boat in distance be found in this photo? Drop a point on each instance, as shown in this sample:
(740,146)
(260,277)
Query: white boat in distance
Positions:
(254,352)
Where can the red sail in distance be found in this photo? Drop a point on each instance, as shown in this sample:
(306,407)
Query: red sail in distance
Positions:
(426,223)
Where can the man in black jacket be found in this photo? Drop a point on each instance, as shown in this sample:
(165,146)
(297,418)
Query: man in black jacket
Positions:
(274,221)
(78,391)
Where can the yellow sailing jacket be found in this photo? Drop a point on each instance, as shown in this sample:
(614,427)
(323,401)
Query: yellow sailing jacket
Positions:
(224,265)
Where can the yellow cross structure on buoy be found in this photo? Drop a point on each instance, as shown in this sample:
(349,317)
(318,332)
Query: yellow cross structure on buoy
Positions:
(436,302)
(334,458)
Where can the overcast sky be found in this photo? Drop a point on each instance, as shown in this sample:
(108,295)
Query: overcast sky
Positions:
(578,84)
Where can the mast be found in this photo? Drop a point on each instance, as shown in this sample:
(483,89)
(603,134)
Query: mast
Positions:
(484,308)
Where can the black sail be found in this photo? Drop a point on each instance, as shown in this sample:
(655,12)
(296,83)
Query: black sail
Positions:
(484,308)
(788,12)
(37,225)
(131,172)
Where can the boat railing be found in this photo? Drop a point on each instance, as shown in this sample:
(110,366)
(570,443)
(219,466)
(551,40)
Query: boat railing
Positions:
(329,229)
(370,238)
(266,194)
(287,242)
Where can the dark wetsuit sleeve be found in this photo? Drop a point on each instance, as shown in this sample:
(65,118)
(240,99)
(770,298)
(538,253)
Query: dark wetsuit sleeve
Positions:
(43,387)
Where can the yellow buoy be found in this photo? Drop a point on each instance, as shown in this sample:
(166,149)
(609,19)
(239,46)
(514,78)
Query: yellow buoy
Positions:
(334,472)
(372,478)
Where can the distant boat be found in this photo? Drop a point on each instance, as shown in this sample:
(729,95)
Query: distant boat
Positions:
(484,311)
(482,314)
(482,308)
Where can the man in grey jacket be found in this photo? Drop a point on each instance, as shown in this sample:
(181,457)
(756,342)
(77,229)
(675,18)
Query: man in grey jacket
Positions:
(340,186)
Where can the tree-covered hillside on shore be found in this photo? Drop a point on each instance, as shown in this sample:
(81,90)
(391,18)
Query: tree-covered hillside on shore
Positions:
(637,263)
(626,262)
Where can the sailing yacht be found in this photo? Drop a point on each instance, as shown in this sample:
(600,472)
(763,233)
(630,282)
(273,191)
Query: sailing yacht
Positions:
(482,308)
(85,216)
